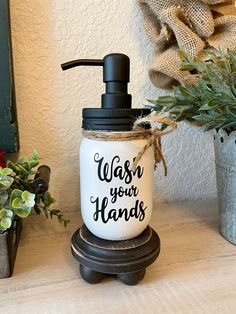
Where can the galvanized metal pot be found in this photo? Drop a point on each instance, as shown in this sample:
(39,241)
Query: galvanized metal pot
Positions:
(225,159)
(9,241)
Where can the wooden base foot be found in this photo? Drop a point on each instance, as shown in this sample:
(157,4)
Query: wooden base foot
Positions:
(90,275)
(132,278)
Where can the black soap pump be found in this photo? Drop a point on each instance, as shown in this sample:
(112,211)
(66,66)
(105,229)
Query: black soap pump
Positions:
(116,201)
(115,113)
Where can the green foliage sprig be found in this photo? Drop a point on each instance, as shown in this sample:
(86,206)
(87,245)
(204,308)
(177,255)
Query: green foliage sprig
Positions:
(211,101)
(17,197)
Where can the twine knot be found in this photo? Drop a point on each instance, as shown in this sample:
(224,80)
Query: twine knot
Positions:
(153,136)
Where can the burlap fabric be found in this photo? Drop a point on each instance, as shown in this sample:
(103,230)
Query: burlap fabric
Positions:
(191,25)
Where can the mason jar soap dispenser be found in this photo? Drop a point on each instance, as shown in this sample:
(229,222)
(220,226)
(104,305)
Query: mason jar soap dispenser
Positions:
(116,178)
(116,200)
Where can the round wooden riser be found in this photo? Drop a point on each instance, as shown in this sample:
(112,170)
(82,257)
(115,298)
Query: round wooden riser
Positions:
(126,259)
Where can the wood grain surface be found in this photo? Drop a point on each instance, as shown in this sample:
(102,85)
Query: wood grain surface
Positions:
(195,273)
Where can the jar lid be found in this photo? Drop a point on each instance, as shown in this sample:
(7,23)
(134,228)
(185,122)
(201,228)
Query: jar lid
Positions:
(111,119)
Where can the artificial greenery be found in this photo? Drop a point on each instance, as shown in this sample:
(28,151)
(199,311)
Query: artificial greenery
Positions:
(211,101)
(17,197)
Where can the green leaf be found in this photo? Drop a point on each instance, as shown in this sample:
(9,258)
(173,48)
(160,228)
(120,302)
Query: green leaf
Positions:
(17,203)
(154,102)
(6,182)
(229,126)
(182,54)
(209,126)
(59,215)
(54,212)
(23,212)
(33,163)
(154,106)
(187,92)
(165,100)
(231,114)
(209,53)
(6,172)
(11,165)
(47,199)
(23,171)
(28,198)
(6,213)
(186,67)
(66,222)
(16,193)
(35,154)
(205,107)
(180,109)
(5,223)
(202,118)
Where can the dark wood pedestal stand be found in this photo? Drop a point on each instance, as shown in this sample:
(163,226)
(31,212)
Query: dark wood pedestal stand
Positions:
(126,259)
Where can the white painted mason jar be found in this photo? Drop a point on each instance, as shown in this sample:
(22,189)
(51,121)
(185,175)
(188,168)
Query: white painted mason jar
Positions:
(116,202)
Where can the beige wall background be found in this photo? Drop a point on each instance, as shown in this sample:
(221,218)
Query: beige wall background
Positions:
(49,101)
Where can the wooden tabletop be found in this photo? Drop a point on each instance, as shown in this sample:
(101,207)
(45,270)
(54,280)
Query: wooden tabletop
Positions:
(195,273)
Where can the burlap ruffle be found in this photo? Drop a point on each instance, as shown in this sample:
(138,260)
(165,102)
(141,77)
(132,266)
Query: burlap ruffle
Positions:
(190,25)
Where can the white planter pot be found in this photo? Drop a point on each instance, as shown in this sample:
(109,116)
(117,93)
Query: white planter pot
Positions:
(225,159)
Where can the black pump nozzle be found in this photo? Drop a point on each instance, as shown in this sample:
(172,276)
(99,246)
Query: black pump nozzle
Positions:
(79,62)
(116,113)
(116,72)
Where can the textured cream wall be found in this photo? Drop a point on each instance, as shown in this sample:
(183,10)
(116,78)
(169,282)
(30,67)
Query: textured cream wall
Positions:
(49,101)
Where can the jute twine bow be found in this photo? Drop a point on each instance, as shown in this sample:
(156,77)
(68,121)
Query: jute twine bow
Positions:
(152,135)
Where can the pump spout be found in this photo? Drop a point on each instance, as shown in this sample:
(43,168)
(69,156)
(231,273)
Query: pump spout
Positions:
(116,68)
(79,62)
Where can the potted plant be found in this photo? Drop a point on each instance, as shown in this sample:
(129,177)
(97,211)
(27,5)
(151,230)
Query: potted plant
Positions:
(21,190)
(211,103)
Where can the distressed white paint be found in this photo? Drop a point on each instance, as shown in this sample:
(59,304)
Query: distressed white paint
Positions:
(48,33)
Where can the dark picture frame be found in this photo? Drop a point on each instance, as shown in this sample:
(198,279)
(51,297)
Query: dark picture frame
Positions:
(9,140)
